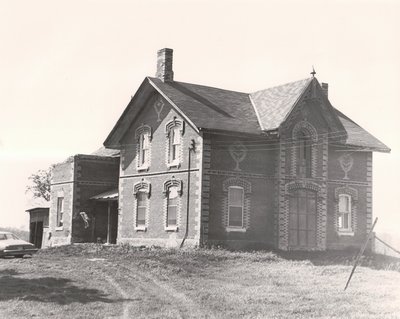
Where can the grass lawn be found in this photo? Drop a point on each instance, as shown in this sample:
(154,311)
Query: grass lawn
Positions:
(94,281)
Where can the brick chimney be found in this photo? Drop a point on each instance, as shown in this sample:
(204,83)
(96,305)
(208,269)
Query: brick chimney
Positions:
(324,87)
(164,65)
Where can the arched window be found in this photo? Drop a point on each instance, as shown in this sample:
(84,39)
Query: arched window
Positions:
(174,145)
(174,131)
(235,206)
(344,216)
(304,150)
(304,155)
(172,206)
(143,149)
(141,209)
(141,190)
(143,146)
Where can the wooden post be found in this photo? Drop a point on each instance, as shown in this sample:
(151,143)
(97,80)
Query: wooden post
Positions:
(360,253)
(108,222)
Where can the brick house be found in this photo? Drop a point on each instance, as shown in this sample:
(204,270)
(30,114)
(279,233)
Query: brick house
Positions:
(276,168)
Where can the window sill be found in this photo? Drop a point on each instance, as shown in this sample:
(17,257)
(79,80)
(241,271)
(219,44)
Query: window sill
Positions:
(141,228)
(171,228)
(143,168)
(174,164)
(235,229)
(60,228)
(345,233)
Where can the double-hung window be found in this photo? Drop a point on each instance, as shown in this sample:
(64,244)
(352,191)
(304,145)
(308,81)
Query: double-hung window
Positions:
(235,206)
(143,146)
(174,145)
(143,149)
(141,208)
(344,215)
(60,211)
(172,207)
(174,131)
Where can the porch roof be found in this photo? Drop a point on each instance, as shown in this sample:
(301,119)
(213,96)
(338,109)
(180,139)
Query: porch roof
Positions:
(106,196)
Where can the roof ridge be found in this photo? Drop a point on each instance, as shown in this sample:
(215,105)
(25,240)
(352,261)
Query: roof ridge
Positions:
(205,86)
(288,83)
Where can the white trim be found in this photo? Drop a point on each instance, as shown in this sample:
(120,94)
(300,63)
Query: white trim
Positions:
(257,114)
(140,228)
(342,230)
(171,228)
(242,206)
(174,106)
(345,233)
(235,229)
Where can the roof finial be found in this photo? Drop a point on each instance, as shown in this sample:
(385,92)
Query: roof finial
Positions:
(313,72)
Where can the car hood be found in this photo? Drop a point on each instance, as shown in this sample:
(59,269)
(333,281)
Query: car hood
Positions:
(10,242)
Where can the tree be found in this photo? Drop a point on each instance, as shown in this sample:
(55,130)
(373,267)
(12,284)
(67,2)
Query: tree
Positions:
(40,184)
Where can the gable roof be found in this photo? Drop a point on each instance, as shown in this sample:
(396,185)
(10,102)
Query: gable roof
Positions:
(211,108)
(217,109)
(274,104)
(357,136)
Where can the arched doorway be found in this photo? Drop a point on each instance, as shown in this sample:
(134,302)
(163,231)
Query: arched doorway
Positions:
(302,219)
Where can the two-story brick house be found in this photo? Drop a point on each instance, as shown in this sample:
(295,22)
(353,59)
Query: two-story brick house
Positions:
(276,168)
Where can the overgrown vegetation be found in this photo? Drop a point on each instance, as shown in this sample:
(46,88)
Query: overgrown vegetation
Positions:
(40,184)
(91,280)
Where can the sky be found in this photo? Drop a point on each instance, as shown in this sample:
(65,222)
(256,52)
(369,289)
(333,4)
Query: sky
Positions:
(69,68)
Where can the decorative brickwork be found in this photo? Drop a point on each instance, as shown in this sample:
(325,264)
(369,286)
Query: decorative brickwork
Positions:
(238,153)
(369,192)
(158,107)
(142,186)
(236,181)
(205,191)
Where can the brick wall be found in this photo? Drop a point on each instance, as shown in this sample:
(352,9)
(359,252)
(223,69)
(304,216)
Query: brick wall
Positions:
(359,183)
(62,185)
(156,174)
(248,162)
(77,180)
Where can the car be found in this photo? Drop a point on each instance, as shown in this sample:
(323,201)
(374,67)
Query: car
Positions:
(11,245)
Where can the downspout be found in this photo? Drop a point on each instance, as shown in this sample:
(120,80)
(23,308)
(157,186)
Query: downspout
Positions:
(191,148)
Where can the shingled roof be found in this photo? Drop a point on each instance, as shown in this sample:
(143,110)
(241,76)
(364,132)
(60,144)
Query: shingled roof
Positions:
(217,109)
(274,104)
(211,108)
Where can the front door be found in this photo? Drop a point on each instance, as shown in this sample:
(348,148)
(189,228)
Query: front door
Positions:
(302,219)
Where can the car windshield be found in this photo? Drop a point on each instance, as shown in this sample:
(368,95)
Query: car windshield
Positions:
(8,236)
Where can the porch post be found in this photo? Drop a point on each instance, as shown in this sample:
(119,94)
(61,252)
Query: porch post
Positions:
(108,222)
